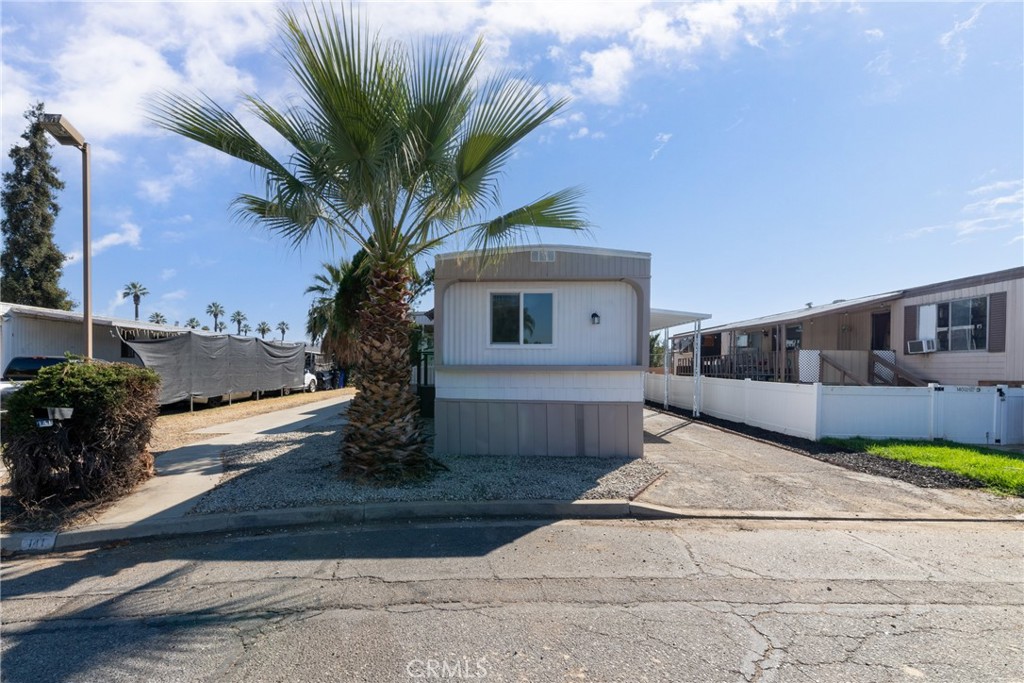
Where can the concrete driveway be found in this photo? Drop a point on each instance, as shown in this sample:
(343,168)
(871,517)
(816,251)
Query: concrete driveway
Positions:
(715,472)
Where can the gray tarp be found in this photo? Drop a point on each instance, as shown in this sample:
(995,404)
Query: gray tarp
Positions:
(203,365)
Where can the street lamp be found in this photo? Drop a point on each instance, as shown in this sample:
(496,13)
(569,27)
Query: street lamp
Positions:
(66,134)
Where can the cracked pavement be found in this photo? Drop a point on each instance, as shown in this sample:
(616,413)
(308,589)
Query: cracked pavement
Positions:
(529,601)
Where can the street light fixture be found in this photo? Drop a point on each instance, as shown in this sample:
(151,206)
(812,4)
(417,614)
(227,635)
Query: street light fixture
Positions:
(66,134)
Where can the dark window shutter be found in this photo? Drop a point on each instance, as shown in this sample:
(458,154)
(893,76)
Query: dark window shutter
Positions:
(909,325)
(997,322)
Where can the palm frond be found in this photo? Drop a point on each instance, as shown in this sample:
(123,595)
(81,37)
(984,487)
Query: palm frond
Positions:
(562,210)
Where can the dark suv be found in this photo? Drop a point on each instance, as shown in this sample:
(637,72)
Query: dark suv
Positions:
(24,368)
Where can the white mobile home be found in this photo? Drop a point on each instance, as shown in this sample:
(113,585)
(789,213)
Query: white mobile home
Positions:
(543,352)
(35,331)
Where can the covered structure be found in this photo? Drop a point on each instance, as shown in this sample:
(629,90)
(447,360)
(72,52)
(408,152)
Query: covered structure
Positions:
(193,364)
(663,320)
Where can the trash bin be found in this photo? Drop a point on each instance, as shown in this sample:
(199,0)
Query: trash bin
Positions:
(339,378)
(426,396)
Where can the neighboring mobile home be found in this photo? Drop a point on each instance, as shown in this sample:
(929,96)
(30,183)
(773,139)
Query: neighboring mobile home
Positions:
(191,364)
(968,331)
(543,352)
(35,331)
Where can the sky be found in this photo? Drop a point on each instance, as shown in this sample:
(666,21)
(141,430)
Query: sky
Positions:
(767,154)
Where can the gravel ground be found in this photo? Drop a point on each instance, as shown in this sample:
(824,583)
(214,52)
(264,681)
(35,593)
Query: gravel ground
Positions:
(912,473)
(301,469)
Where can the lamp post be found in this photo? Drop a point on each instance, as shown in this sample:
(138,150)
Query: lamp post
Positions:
(66,134)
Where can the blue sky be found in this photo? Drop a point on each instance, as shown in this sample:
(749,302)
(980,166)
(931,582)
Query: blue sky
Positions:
(766,154)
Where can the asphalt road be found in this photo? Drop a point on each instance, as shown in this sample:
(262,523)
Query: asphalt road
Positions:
(529,601)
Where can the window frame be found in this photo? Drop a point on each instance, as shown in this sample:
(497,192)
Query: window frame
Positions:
(944,334)
(519,344)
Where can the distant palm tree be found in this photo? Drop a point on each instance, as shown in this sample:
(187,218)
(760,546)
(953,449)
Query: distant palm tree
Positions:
(216,311)
(136,292)
(238,318)
(245,329)
(157,319)
(282,327)
(263,329)
(220,327)
(193,323)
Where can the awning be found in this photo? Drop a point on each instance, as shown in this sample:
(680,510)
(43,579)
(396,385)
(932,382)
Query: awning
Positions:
(662,318)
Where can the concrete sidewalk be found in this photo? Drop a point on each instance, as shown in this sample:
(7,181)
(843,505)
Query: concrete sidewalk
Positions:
(710,473)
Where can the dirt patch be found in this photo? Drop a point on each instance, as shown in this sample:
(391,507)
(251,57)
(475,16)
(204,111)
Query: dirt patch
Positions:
(866,463)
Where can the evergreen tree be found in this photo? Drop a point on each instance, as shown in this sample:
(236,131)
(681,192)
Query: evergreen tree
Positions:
(31,262)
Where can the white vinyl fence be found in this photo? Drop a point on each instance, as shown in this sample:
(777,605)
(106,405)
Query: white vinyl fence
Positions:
(973,415)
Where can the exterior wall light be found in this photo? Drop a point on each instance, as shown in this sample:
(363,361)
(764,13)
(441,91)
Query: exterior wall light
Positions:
(595,319)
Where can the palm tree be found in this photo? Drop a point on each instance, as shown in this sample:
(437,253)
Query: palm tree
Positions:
(216,311)
(282,327)
(238,318)
(263,329)
(220,327)
(192,323)
(136,292)
(157,319)
(332,321)
(396,150)
(245,329)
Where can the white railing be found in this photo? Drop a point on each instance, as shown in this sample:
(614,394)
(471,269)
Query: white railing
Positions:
(975,415)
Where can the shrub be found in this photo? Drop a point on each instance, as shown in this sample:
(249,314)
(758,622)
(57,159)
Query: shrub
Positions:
(100,453)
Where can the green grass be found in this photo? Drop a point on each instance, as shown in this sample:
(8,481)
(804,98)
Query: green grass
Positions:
(1000,471)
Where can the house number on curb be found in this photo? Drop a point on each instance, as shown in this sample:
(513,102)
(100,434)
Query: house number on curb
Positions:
(38,542)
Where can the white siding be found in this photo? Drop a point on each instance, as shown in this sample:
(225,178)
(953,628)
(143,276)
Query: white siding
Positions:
(24,336)
(579,386)
(576,340)
(968,367)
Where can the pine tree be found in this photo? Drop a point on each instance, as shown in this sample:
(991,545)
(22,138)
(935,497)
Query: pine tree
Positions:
(31,263)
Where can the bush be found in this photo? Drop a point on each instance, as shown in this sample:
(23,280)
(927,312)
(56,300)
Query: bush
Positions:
(100,453)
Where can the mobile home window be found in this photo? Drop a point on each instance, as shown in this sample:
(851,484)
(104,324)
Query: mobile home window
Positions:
(522,318)
(962,325)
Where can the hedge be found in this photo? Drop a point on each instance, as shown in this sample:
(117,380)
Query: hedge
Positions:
(100,453)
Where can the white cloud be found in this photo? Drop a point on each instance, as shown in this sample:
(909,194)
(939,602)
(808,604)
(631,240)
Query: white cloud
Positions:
(116,301)
(118,53)
(609,70)
(953,42)
(128,234)
(661,139)
(167,274)
(880,64)
(176,295)
(874,34)
(680,31)
(1000,209)
(173,236)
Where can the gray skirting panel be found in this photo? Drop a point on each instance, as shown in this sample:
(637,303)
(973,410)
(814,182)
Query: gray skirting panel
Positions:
(477,427)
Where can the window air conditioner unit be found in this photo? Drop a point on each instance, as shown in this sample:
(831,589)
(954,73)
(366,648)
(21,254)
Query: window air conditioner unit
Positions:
(921,346)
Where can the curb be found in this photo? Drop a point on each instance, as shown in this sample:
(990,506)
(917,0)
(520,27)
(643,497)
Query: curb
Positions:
(100,534)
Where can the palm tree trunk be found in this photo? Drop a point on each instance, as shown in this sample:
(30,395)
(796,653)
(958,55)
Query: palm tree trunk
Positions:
(383,442)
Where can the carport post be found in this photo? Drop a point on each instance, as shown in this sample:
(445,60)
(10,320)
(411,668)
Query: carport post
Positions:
(696,369)
(665,354)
